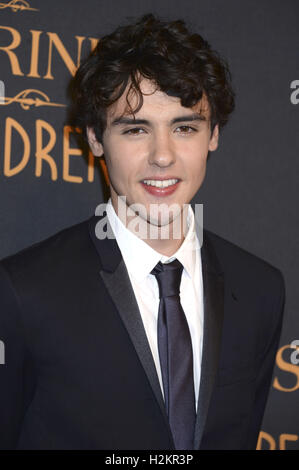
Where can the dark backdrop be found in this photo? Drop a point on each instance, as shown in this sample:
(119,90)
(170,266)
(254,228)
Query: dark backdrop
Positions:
(250,192)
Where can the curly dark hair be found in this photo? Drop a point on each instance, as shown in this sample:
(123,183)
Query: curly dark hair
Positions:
(180,63)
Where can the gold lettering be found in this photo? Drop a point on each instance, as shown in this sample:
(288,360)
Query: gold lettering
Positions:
(286,437)
(56,41)
(93,43)
(267,437)
(34,54)
(42,153)
(67,151)
(16,39)
(90,171)
(10,124)
(288,367)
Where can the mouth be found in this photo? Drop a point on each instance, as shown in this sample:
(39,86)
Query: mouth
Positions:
(160,187)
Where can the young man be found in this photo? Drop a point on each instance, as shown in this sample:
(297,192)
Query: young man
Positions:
(140,336)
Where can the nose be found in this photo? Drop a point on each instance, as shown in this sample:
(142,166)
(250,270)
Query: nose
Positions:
(162,152)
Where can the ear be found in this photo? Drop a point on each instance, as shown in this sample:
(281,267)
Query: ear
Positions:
(213,144)
(94,144)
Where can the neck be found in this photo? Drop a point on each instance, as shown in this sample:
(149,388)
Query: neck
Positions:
(165,239)
(166,246)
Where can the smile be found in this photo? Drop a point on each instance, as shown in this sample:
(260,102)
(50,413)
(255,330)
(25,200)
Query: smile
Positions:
(160,183)
(160,188)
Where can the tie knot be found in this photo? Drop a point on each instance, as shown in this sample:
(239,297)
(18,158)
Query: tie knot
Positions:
(168,276)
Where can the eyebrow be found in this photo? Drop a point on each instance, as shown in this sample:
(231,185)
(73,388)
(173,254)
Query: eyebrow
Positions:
(188,118)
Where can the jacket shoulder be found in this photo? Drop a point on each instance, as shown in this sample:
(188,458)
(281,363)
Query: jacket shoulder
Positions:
(68,243)
(238,263)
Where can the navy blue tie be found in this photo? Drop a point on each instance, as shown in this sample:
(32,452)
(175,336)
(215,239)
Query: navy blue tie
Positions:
(176,358)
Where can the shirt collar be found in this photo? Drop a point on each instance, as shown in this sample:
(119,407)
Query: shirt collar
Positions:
(140,258)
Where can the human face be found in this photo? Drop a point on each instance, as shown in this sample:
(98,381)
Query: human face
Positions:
(167,141)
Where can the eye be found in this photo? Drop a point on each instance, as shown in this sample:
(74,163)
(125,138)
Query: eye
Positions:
(134,131)
(186,129)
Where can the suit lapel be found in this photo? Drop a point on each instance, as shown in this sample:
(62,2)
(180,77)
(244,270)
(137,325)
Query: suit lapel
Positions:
(213,287)
(116,279)
(119,287)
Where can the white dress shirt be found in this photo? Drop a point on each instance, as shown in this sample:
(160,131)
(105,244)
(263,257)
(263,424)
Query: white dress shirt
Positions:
(140,259)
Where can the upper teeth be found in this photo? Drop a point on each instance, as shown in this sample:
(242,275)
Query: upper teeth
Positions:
(160,183)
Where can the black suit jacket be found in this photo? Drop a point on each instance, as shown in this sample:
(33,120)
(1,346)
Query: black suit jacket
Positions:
(78,370)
